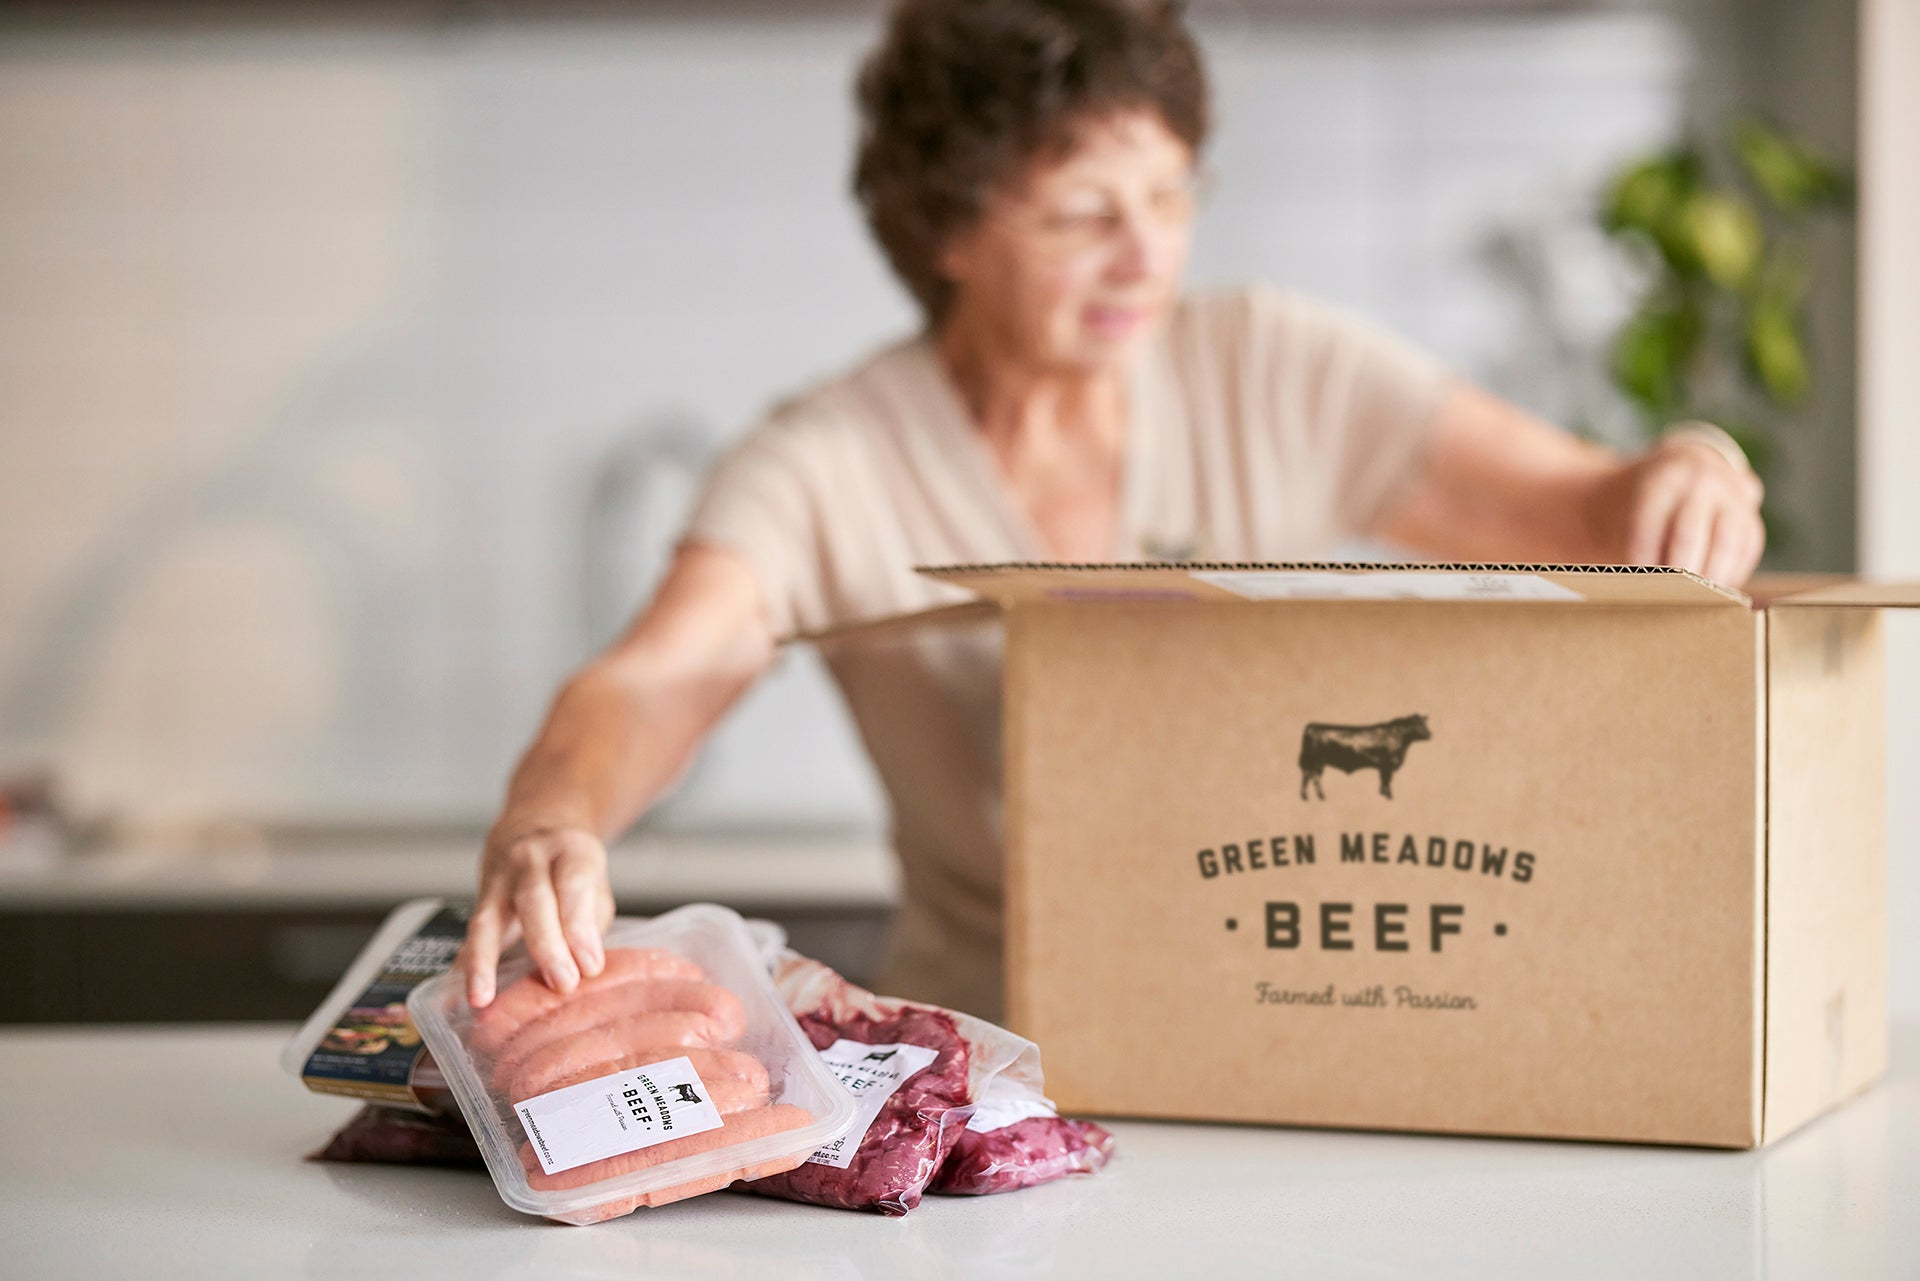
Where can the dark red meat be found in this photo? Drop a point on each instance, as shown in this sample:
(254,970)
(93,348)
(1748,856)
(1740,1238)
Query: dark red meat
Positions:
(909,1140)
(1035,1150)
(395,1137)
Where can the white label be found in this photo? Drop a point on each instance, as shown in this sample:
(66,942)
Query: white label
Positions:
(611,1115)
(871,1074)
(998,1114)
(1385,585)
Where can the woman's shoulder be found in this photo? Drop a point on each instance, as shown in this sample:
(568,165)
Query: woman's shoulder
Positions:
(845,408)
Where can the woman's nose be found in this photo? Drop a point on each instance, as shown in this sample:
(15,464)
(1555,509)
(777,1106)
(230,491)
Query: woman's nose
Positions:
(1141,250)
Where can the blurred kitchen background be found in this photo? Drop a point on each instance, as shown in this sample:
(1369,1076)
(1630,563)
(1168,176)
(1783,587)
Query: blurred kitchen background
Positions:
(357,362)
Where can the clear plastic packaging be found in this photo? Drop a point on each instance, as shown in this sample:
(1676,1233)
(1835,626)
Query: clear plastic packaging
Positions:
(1015,1139)
(919,1072)
(674,1072)
(393,1136)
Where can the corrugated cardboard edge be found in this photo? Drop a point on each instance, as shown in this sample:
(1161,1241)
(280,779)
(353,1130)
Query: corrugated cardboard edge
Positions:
(1003,584)
(897,624)
(1015,891)
(1013,583)
(1849,593)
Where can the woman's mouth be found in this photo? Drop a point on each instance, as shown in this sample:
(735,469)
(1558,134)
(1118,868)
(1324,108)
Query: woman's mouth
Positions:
(1116,322)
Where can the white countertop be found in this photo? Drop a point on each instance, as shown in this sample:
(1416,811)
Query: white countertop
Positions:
(829,869)
(175,1153)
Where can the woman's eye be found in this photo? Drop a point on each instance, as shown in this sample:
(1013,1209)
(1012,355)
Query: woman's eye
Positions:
(1080,219)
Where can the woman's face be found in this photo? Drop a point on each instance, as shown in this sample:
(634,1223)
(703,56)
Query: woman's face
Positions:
(1076,266)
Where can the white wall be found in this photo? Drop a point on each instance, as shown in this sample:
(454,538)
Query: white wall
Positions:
(1889,417)
(315,342)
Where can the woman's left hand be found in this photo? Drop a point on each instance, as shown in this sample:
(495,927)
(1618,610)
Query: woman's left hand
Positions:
(1684,503)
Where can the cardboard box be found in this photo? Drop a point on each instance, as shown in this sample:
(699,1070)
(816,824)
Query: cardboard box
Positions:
(1560,851)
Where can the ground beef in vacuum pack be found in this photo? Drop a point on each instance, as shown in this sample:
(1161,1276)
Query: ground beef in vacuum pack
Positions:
(1016,1139)
(392,1136)
(918,1071)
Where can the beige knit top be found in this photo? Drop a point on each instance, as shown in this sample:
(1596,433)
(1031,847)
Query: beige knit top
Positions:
(1262,426)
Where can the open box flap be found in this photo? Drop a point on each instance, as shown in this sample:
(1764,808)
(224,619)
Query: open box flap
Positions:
(1833,591)
(892,624)
(1014,584)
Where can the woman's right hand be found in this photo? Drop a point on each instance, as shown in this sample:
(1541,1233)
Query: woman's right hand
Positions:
(620,729)
(547,883)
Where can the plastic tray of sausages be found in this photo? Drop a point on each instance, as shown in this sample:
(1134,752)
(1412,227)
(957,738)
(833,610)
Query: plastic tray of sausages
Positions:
(674,1072)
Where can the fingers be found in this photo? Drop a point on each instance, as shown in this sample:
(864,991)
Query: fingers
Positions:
(1723,541)
(1692,532)
(550,888)
(1693,511)
(1738,540)
(1717,532)
(1647,533)
(539,911)
(580,882)
(481,955)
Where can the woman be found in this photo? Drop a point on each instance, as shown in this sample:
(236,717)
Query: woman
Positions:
(1028,167)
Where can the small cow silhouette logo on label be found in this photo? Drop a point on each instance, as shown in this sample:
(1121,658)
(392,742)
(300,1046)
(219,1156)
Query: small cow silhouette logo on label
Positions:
(877,1057)
(686,1093)
(1348,748)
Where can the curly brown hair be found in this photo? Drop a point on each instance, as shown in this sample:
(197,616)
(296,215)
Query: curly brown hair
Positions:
(962,95)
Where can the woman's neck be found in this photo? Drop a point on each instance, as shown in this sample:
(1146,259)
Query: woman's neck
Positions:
(1026,411)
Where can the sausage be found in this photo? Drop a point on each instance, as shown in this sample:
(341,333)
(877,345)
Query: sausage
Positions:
(736,1082)
(529,998)
(725,1019)
(741,1127)
(676,1029)
(681,1191)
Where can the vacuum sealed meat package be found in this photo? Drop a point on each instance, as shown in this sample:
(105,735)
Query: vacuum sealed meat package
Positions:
(1015,1139)
(674,1072)
(917,1073)
(397,1136)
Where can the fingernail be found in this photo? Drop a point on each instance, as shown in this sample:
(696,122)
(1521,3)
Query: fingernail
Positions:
(565,976)
(591,960)
(479,994)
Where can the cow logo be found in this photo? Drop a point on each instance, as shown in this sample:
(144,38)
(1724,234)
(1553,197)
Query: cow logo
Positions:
(1348,748)
(686,1093)
(877,1057)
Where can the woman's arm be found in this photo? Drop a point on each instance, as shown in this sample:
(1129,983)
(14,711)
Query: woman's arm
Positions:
(620,730)
(1499,484)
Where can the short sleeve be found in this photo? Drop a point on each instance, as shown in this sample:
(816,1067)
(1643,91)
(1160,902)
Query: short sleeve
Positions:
(1364,399)
(757,502)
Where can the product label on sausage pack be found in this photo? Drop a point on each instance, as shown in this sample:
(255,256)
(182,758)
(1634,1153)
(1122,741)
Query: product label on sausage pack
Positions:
(613,1115)
(871,1074)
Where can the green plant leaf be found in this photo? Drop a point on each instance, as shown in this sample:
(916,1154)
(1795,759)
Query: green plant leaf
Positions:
(1792,174)
(1722,234)
(1645,202)
(1775,353)
(1650,356)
